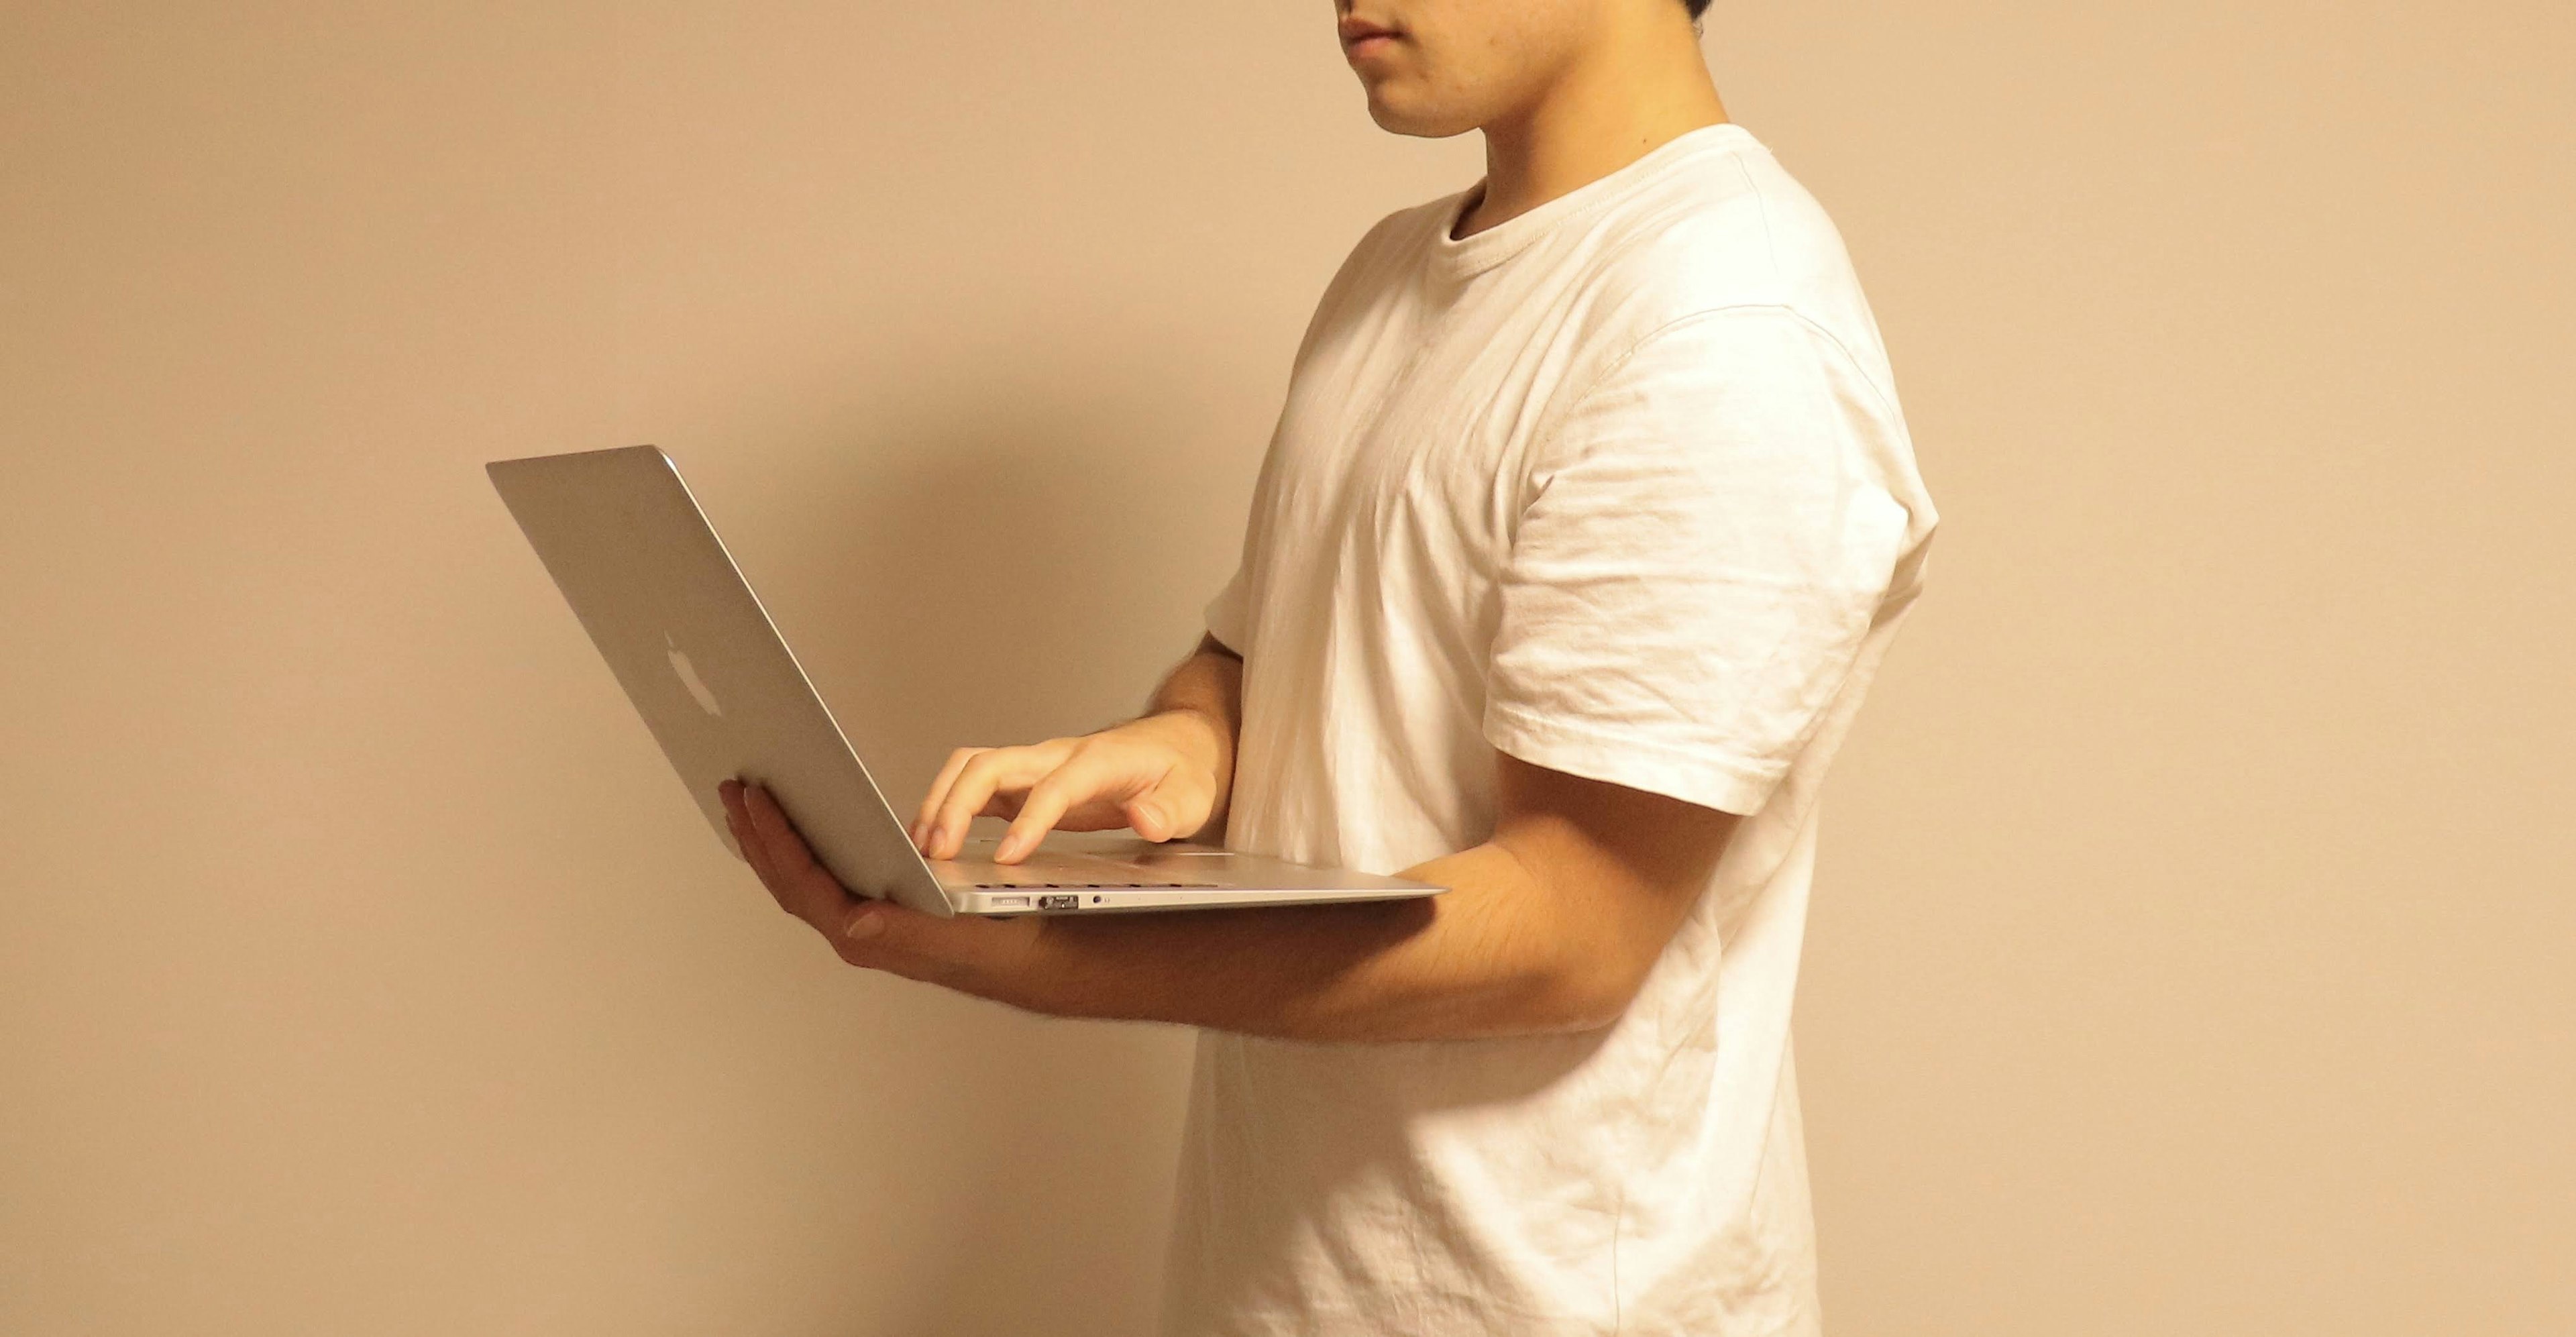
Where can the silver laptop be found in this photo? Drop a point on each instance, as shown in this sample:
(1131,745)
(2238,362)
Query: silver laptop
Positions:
(723,695)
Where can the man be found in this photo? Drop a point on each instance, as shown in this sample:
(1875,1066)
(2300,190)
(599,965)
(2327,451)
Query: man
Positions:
(1586,523)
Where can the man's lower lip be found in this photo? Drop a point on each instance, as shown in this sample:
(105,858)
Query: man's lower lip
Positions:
(1370,44)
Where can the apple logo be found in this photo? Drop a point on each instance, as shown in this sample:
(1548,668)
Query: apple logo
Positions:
(689,677)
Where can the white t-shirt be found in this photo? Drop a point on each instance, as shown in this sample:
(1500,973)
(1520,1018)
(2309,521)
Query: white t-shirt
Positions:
(1619,487)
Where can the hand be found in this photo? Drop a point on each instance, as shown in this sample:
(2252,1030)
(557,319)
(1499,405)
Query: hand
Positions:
(1157,776)
(990,958)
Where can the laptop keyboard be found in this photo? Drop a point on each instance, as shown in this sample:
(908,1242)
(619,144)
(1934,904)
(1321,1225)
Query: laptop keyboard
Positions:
(1049,870)
(1034,883)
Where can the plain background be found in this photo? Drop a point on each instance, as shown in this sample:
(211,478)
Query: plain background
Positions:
(2192,943)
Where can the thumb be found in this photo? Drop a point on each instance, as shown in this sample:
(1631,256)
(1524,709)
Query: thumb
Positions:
(1163,813)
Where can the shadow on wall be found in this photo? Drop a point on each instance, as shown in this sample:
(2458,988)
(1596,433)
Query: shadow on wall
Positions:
(984,568)
(998,568)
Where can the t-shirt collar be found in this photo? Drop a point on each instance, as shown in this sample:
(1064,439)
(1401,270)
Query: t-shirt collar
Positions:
(1454,258)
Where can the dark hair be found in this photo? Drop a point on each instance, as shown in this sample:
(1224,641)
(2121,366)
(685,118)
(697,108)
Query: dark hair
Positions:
(1696,7)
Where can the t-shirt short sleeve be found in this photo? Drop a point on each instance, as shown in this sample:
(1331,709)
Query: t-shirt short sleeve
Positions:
(1707,537)
(1229,614)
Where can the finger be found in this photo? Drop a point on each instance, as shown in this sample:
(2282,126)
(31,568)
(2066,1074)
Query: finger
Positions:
(1010,768)
(992,958)
(787,861)
(1155,814)
(930,801)
(1074,782)
(745,839)
(755,847)
(1177,806)
(725,798)
(808,889)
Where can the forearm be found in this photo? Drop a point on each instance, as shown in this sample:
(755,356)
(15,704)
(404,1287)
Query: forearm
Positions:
(1207,686)
(1550,925)
(1473,961)
(1499,954)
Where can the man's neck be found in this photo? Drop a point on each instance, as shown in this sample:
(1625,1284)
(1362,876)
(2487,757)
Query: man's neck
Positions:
(1630,96)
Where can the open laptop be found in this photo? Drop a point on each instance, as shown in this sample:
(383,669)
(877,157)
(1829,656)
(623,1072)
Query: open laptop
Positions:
(723,695)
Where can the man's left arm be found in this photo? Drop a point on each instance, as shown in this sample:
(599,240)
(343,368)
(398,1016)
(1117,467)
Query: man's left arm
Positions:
(1550,926)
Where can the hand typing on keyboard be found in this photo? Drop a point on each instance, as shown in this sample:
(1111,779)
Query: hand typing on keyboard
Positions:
(1165,776)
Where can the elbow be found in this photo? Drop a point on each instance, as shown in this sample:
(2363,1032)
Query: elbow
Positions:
(1586,995)
(1575,985)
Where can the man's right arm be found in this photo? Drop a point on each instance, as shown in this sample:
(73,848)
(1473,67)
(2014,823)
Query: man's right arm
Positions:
(1166,774)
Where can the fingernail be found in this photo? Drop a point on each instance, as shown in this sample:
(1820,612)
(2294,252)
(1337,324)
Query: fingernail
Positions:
(1009,848)
(1150,813)
(867,923)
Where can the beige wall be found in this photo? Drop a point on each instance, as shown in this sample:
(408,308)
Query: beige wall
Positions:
(2192,946)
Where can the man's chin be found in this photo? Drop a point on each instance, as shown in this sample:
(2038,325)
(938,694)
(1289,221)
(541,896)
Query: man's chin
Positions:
(1399,117)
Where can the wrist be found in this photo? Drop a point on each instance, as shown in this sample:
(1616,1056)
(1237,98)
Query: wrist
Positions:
(1061,974)
(1196,733)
